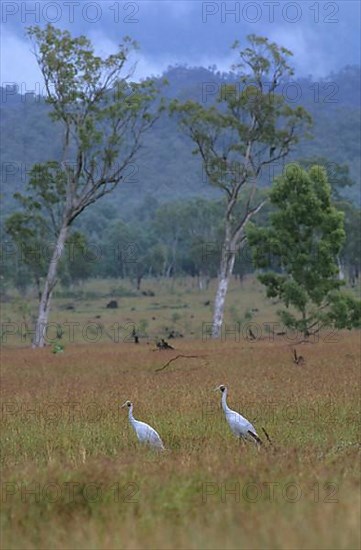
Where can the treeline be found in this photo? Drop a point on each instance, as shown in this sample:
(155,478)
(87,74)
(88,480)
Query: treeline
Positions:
(180,238)
(166,168)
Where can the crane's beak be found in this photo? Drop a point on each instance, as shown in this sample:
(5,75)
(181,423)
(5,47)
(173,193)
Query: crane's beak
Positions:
(216,389)
(124,405)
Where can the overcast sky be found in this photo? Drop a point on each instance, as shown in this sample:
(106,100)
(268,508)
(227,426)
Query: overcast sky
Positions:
(324,36)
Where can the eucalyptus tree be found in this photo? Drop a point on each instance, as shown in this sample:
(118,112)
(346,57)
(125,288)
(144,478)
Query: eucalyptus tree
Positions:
(250,128)
(103,115)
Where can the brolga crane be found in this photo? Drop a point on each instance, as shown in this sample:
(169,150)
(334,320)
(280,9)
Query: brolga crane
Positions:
(239,425)
(145,433)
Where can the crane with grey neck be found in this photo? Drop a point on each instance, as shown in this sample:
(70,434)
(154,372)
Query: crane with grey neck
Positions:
(145,433)
(240,426)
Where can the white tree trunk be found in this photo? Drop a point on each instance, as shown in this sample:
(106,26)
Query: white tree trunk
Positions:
(50,282)
(341,273)
(227,263)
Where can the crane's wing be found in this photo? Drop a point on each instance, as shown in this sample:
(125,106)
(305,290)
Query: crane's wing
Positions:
(150,436)
(155,440)
(241,427)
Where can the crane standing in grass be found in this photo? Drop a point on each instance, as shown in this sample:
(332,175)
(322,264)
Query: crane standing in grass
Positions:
(239,425)
(145,433)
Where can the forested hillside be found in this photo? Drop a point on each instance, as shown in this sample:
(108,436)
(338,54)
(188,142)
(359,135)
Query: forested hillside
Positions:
(165,167)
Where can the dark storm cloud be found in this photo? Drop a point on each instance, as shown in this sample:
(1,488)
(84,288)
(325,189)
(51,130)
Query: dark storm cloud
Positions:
(324,36)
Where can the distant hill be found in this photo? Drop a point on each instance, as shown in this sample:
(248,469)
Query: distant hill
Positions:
(165,168)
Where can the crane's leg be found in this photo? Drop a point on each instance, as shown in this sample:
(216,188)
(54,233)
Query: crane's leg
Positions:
(267,436)
(255,438)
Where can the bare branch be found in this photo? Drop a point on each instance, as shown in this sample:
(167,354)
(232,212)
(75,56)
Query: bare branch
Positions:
(177,357)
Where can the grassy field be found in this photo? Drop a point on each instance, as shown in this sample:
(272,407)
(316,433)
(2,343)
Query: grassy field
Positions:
(155,310)
(74,476)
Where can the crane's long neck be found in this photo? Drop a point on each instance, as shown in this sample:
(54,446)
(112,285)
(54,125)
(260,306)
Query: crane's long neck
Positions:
(130,416)
(224,402)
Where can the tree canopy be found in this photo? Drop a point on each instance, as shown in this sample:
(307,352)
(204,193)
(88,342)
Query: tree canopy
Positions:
(298,252)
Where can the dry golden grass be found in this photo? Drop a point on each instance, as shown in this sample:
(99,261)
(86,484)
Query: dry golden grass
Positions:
(66,439)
